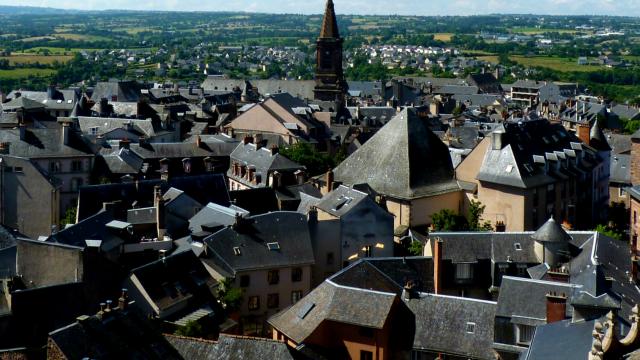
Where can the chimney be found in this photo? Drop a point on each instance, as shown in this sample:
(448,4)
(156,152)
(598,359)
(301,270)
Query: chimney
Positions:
(258,140)
(501,226)
(17,94)
(140,109)
(312,215)
(558,275)
(408,291)
(65,133)
(329,180)
(51,91)
(124,143)
(583,132)
(496,140)
(23,131)
(275,179)
(274,149)
(100,313)
(556,307)
(247,140)
(437,266)
(159,205)
(143,141)
(300,177)
(104,104)
(123,301)
(198,141)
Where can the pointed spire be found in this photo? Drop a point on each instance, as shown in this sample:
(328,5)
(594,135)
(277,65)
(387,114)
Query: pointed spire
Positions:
(329,23)
(74,112)
(551,231)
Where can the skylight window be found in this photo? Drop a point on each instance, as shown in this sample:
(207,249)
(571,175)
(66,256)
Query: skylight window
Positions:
(470,327)
(517,246)
(273,246)
(236,251)
(509,168)
(305,310)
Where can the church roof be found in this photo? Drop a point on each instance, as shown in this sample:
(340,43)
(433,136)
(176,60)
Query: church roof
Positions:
(329,23)
(403,160)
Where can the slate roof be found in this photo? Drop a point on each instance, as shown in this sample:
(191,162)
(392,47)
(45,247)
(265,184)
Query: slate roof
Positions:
(175,278)
(125,91)
(22,103)
(471,247)
(230,347)
(103,126)
(620,170)
(91,228)
(251,236)
(388,274)
(619,143)
(575,345)
(626,111)
(332,302)
(202,188)
(527,148)
(441,325)
(551,231)
(193,348)
(180,150)
(44,143)
(123,161)
(120,336)
(524,300)
(341,200)
(597,139)
(214,215)
(403,160)
(302,89)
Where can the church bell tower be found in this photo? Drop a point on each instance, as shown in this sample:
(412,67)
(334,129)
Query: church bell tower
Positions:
(330,83)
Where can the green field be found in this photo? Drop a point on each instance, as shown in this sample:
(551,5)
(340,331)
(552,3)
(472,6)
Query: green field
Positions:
(25,73)
(554,63)
(32,59)
(81,37)
(537,31)
(488,58)
(446,37)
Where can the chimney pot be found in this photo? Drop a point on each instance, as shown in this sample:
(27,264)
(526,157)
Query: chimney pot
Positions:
(556,307)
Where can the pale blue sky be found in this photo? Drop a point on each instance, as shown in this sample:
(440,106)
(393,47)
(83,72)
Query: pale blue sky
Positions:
(403,7)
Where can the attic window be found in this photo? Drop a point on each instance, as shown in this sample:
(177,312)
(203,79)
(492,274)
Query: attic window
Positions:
(273,246)
(236,251)
(517,246)
(470,327)
(305,310)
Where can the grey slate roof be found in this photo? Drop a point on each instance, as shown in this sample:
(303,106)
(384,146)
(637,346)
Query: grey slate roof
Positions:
(125,91)
(289,229)
(214,215)
(524,300)
(403,160)
(471,247)
(514,164)
(626,111)
(620,170)
(561,340)
(551,231)
(441,325)
(619,143)
(231,347)
(341,200)
(44,143)
(193,348)
(331,302)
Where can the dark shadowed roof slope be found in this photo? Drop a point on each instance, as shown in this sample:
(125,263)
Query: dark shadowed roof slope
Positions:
(404,160)
(119,336)
(193,348)
(231,347)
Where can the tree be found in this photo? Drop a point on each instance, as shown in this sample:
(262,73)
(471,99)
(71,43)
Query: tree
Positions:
(69,216)
(612,233)
(191,329)
(305,154)
(447,220)
(416,248)
(474,217)
(231,297)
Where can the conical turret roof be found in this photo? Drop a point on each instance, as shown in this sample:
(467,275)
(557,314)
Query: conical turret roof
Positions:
(551,231)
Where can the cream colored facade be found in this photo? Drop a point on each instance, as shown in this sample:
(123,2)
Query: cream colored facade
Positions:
(417,212)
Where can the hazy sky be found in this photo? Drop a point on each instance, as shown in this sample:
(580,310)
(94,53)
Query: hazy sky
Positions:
(403,7)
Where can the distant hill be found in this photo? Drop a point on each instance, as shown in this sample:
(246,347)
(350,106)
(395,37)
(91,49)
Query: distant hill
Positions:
(32,10)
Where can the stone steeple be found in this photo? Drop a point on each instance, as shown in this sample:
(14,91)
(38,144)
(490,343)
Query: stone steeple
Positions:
(330,83)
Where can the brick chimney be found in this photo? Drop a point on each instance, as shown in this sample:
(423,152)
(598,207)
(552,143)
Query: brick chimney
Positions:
(158,203)
(124,143)
(437,266)
(501,226)
(123,301)
(329,180)
(583,131)
(556,307)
